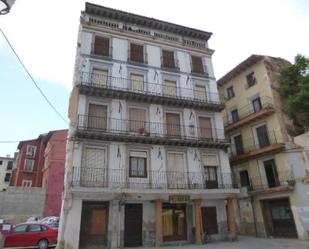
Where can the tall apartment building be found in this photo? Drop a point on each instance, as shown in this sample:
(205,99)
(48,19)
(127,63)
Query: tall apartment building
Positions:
(6,167)
(268,166)
(147,162)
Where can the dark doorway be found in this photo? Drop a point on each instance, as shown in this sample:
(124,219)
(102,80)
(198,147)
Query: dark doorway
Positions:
(244,178)
(209,220)
(262,136)
(279,218)
(174,222)
(271,173)
(133,225)
(93,232)
(239,148)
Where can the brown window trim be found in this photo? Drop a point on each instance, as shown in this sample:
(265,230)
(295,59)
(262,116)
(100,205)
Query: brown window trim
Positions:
(145,168)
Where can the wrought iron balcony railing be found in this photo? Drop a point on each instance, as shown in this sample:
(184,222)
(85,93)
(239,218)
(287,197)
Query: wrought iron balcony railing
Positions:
(265,103)
(119,178)
(149,132)
(149,92)
(257,142)
(279,179)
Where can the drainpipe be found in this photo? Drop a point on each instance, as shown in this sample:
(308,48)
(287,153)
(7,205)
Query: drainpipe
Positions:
(254,217)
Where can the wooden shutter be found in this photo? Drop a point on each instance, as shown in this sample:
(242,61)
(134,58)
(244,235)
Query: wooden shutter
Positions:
(175,168)
(137,82)
(197,64)
(99,77)
(168,59)
(97,116)
(101,46)
(137,120)
(136,52)
(200,92)
(205,127)
(170,88)
(173,124)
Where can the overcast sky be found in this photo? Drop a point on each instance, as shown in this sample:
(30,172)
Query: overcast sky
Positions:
(44,34)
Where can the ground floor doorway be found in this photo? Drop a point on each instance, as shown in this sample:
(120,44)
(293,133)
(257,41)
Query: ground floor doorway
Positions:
(133,225)
(174,222)
(209,220)
(278,217)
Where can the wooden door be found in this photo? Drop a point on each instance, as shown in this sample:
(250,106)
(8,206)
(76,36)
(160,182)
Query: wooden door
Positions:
(97,116)
(98,222)
(209,220)
(173,127)
(205,127)
(133,225)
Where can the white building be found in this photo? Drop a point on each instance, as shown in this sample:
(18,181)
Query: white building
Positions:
(146,161)
(6,167)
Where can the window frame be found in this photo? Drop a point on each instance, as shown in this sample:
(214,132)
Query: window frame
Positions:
(145,159)
(230,93)
(144,55)
(26,225)
(32,165)
(250,80)
(5,177)
(109,46)
(26,183)
(29,146)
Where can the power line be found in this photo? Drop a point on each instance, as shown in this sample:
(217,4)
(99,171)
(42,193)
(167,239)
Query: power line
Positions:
(32,79)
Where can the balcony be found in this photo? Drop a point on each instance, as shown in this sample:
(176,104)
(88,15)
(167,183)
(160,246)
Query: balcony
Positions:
(114,87)
(120,179)
(283,181)
(249,114)
(260,145)
(123,130)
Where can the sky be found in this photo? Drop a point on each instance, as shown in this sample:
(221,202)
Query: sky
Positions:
(44,34)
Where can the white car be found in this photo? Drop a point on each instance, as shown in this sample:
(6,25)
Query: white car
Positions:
(52,221)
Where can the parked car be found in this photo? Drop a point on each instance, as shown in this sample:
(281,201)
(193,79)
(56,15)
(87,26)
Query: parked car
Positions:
(52,221)
(31,234)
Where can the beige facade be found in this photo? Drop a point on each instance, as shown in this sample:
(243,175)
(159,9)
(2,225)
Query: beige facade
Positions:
(262,153)
(6,166)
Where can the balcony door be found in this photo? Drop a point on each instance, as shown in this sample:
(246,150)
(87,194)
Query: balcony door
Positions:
(262,136)
(99,77)
(210,164)
(205,127)
(173,127)
(200,93)
(170,88)
(239,149)
(137,82)
(137,122)
(97,116)
(176,177)
(271,173)
(256,104)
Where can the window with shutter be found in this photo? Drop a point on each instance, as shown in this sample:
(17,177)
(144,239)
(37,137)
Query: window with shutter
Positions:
(205,127)
(137,52)
(175,168)
(197,64)
(173,124)
(97,116)
(101,46)
(137,82)
(170,88)
(138,164)
(200,92)
(99,77)
(28,166)
(137,121)
(210,163)
(168,60)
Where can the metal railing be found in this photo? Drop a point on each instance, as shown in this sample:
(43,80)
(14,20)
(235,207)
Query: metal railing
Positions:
(119,178)
(244,111)
(282,178)
(149,129)
(154,89)
(254,143)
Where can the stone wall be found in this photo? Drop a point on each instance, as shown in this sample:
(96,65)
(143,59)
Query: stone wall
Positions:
(17,203)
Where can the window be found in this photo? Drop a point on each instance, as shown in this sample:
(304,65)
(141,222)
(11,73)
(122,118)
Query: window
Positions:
(30,150)
(137,121)
(28,166)
(234,115)
(271,173)
(205,127)
(101,46)
(176,177)
(138,164)
(238,145)
(34,228)
(230,92)
(1,162)
(244,178)
(7,177)
(262,136)
(97,116)
(168,60)
(200,92)
(251,80)
(99,77)
(20,229)
(10,165)
(210,163)
(26,183)
(170,88)
(137,53)
(256,104)
(137,82)
(197,64)
(173,127)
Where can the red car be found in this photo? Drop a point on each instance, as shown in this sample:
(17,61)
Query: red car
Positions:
(31,235)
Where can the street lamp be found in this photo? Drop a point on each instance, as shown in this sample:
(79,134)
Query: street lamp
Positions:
(5,6)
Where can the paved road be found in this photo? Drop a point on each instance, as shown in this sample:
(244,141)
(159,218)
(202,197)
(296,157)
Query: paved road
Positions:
(251,243)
